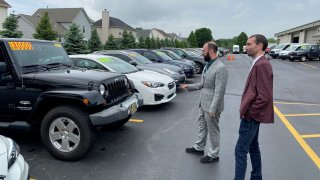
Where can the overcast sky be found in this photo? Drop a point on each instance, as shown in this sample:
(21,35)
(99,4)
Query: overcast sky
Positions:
(225,18)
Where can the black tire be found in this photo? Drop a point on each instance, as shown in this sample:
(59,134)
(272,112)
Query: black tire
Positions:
(303,58)
(80,120)
(199,68)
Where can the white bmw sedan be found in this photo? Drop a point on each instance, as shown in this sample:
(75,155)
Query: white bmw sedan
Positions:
(12,164)
(155,88)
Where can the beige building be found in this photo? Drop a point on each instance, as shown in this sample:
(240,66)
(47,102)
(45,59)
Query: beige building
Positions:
(109,25)
(3,12)
(60,19)
(308,33)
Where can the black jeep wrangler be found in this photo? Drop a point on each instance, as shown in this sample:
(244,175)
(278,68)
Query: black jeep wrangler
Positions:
(39,87)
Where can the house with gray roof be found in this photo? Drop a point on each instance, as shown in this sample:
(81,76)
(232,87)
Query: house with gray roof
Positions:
(4,6)
(60,19)
(152,33)
(110,25)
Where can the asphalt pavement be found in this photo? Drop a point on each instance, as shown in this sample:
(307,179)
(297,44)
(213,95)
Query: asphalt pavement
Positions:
(152,145)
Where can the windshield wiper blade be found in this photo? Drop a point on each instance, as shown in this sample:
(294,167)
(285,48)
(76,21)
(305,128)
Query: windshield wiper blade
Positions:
(58,64)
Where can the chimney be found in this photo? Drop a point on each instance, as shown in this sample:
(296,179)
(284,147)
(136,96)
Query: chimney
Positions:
(105,26)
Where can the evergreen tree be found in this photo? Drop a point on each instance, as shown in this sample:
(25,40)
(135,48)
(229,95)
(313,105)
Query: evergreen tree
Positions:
(172,43)
(158,43)
(177,44)
(94,43)
(74,43)
(10,26)
(148,43)
(142,43)
(111,43)
(132,41)
(153,43)
(203,35)
(162,43)
(242,40)
(166,42)
(125,41)
(192,39)
(44,29)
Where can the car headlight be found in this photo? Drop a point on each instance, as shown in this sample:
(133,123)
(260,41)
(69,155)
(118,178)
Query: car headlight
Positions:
(169,71)
(102,89)
(14,152)
(126,82)
(152,84)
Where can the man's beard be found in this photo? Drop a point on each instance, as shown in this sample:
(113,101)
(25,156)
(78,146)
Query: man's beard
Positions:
(207,58)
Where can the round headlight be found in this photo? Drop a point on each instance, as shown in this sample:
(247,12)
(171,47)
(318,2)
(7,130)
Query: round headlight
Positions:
(126,82)
(102,89)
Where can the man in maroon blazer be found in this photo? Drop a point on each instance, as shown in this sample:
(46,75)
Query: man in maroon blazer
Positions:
(256,107)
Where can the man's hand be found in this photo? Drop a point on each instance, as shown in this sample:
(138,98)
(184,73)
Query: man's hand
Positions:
(212,114)
(184,86)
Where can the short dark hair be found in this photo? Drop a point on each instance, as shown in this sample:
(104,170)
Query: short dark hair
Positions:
(261,39)
(212,45)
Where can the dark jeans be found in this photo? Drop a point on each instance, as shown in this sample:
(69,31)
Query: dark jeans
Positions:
(248,143)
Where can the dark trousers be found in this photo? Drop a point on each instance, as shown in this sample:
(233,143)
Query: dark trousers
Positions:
(248,143)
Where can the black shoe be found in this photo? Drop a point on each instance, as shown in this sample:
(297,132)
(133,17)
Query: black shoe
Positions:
(208,159)
(194,151)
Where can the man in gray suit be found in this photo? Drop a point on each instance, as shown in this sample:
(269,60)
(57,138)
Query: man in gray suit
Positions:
(213,86)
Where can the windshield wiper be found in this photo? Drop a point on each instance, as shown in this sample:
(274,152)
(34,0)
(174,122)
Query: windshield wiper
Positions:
(54,65)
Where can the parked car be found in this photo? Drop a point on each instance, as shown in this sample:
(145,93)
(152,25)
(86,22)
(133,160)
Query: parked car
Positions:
(143,63)
(39,87)
(306,52)
(12,166)
(174,56)
(274,53)
(155,88)
(270,47)
(200,63)
(285,53)
(160,57)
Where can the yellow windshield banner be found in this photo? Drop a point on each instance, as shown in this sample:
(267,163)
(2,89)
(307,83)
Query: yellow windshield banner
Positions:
(20,46)
(58,45)
(104,60)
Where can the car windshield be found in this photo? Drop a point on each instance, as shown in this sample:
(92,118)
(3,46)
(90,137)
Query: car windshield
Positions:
(139,58)
(38,54)
(118,65)
(163,56)
(280,46)
(173,55)
(292,48)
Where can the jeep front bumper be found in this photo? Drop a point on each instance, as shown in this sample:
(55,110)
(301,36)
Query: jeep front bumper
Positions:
(117,112)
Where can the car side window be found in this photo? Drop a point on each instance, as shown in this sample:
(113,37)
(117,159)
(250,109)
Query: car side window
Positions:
(89,64)
(180,53)
(151,56)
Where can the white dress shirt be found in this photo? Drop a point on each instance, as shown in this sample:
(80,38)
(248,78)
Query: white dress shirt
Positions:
(254,61)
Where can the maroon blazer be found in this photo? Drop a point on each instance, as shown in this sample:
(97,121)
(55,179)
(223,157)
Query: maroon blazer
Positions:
(257,97)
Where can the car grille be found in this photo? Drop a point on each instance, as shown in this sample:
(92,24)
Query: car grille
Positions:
(271,51)
(170,96)
(117,89)
(171,85)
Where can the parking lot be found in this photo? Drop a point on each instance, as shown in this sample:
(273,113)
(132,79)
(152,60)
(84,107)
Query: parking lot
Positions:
(152,145)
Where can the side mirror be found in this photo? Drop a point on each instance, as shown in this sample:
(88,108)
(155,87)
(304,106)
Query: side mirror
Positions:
(3,67)
(184,56)
(133,63)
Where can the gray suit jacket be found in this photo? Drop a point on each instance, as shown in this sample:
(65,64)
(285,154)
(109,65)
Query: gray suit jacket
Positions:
(213,86)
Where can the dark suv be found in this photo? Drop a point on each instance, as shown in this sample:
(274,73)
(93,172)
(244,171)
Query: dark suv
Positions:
(305,52)
(39,87)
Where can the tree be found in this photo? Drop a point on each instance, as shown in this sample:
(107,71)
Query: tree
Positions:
(111,43)
(148,43)
(158,43)
(177,44)
(166,42)
(203,35)
(162,43)
(132,41)
(153,43)
(192,39)
(125,41)
(94,43)
(242,40)
(10,26)
(272,40)
(141,43)
(74,43)
(44,29)
(183,44)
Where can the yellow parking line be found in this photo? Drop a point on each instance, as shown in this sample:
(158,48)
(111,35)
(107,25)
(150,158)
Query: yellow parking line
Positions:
(32,179)
(295,103)
(297,136)
(299,115)
(311,136)
(308,65)
(136,120)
